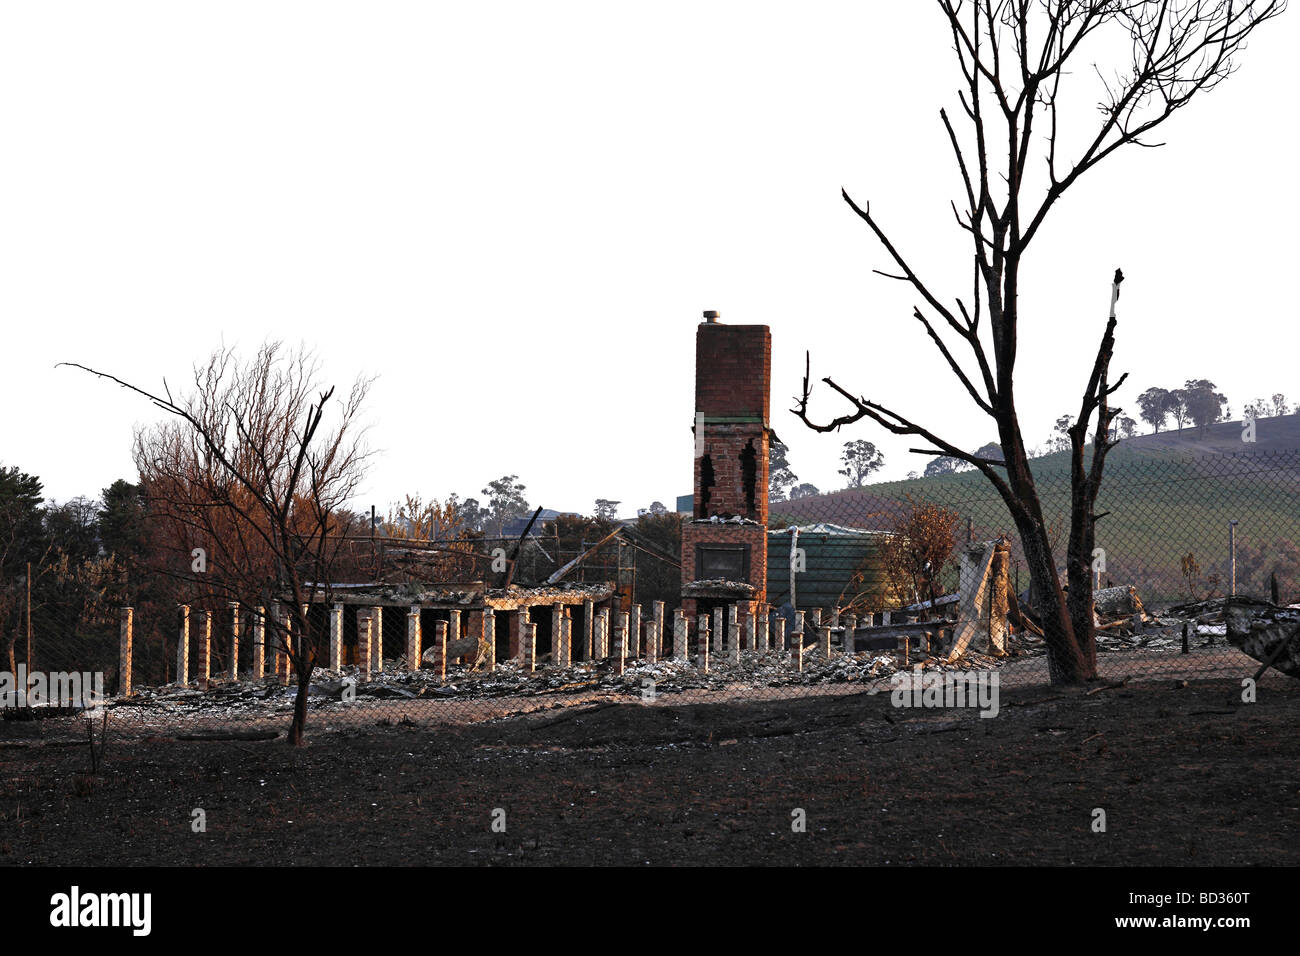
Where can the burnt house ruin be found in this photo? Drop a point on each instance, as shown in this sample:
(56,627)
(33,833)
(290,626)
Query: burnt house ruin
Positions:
(724,543)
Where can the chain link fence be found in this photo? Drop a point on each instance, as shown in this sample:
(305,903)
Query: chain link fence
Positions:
(861,586)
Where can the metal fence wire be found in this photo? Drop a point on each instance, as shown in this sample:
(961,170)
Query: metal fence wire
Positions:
(862,585)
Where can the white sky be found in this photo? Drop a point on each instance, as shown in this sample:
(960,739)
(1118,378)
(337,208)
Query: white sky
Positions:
(515,213)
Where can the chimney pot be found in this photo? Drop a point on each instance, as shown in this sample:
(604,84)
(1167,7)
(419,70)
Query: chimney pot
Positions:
(710,316)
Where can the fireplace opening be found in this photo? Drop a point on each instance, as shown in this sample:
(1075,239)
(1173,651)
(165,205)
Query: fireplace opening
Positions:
(722,562)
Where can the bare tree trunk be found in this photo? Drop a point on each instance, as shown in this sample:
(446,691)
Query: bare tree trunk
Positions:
(1068,662)
(300,707)
(302,657)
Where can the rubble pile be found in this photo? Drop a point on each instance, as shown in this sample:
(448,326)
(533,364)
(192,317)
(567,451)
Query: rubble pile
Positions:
(332,691)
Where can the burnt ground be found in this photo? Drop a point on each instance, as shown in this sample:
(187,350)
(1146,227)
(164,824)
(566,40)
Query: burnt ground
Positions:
(1186,774)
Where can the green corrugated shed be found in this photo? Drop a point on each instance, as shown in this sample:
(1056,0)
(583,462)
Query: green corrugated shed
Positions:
(832,555)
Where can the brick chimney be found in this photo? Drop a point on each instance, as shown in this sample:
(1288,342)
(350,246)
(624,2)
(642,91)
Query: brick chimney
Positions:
(727,538)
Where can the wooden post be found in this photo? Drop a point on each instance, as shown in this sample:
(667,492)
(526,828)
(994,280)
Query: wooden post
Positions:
(124,652)
(183,648)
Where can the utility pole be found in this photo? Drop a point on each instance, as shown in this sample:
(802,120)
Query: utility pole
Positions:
(29,617)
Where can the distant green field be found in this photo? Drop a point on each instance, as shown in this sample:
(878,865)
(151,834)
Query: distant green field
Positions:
(1167,496)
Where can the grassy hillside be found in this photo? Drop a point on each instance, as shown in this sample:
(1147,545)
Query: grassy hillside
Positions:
(1168,495)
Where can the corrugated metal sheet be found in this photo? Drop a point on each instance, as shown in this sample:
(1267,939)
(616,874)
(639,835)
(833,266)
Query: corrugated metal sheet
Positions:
(832,555)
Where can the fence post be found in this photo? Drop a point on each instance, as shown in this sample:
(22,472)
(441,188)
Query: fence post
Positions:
(124,652)
(1232,558)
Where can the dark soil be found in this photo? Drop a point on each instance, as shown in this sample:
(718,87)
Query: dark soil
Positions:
(1185,774)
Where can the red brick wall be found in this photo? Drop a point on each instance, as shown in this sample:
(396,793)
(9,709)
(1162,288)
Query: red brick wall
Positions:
(725,444)
(733,370)
(753,535)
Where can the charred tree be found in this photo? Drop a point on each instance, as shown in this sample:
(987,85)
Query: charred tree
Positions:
(1015,57)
